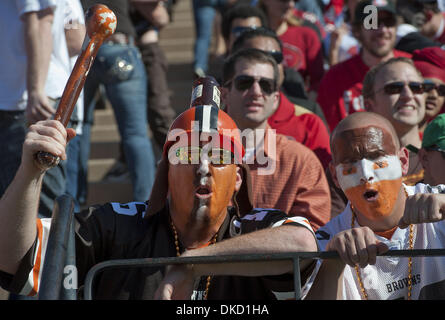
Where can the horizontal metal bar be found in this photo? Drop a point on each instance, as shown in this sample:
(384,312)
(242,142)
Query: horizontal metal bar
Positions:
(156,262)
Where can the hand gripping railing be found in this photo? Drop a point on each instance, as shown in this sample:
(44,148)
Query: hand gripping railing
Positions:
(60,252)
(294,256)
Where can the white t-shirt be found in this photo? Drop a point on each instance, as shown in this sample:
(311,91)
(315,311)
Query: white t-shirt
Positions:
(13,59)
(13,53)
(61,64)
(388,278)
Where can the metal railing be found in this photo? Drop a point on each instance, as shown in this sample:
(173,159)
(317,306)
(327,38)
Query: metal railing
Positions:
(295,257)
(60,252)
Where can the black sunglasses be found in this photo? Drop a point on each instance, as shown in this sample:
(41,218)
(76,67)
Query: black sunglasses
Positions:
(237,31)
(276,55)
(429,85)
(387,22)
(244,82)
(397,87)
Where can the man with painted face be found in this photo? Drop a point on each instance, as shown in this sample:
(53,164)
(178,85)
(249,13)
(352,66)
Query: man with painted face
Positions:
(394,89)
(382,212)
(194,210)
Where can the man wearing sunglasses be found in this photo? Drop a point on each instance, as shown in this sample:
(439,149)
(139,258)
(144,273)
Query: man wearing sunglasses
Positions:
(431,63)
(285,174)
(292,117)
(340,91)
(432,153)
(395,90)
(199,207)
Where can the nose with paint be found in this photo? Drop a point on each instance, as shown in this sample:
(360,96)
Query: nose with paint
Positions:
(371,185)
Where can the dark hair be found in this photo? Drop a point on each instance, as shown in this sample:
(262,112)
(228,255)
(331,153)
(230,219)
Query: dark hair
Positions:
(253,33)
(407,10)
(242,11)
(251,55)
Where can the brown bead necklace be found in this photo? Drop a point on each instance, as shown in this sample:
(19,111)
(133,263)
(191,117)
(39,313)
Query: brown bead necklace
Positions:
(178,253)
(410,260)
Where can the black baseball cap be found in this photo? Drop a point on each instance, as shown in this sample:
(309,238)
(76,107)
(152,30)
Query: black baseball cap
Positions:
(381,5)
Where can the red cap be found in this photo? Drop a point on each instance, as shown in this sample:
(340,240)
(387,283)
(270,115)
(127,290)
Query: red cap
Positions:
(430,62)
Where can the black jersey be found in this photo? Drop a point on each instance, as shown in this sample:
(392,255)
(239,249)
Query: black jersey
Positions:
(121,231)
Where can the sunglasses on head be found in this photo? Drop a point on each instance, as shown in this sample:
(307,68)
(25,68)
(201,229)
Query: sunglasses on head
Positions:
(276,55)
(244,82)
(429,85)
(237,31)
(397,87)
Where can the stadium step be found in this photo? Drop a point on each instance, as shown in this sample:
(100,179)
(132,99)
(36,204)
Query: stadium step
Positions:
(176,39)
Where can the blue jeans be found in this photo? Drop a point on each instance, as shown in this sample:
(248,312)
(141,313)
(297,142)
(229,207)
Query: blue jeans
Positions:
(120,70)
(74,176)
(12,135)
(204,13)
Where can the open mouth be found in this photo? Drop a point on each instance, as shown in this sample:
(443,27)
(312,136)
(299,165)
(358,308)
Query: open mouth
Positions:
(371,195)
(203,192)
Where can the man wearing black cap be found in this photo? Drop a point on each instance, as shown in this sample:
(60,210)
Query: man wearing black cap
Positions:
(194,210)
(340,91)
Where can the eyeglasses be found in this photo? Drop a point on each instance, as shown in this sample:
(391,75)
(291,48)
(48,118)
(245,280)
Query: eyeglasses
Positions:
(276,55)
(429,85)
(244,82)
(436,148)
(194,155)
(237,31)
(397,87)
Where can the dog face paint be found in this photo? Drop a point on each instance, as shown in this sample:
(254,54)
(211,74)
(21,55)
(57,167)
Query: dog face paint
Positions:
(368,170)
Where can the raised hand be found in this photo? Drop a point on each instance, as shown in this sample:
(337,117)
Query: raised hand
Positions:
(423,207)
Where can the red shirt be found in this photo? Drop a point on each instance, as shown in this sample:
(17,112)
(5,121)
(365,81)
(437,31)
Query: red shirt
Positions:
(312,18)
(302,51)
(304,126)
(340,90)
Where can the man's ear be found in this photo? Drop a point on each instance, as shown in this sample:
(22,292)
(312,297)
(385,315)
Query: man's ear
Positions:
(334,174)
(224,92)
(239,178)
(276,100)
(403,155)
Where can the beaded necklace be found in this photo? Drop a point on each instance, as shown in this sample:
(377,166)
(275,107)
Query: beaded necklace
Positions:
(178,253)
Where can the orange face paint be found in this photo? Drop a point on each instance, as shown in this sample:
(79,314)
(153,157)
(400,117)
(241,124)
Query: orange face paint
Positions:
(200,193)
(370,174)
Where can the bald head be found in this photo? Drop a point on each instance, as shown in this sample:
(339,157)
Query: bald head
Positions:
(361,133)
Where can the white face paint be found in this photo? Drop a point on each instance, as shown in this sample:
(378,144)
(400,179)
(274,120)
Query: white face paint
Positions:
(372,186)
(370,171)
